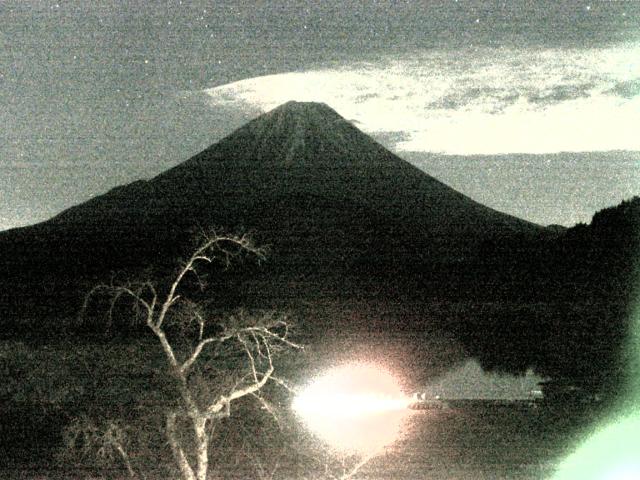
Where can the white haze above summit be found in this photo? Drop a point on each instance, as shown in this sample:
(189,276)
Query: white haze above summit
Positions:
(479,102)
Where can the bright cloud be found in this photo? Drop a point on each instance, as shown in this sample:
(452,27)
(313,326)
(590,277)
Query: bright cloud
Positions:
(473,102)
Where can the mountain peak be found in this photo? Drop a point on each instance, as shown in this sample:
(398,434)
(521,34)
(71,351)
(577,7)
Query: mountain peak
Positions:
(295,131)
(296,107)
(301,113)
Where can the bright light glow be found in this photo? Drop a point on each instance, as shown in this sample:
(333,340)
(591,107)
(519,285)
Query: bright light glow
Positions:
(346,405)
(476,102)
(357,407)
(613,453)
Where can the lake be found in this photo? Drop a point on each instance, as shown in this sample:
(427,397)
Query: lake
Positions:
(481,440)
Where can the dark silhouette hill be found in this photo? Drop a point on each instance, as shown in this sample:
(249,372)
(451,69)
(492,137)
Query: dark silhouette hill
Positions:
(573,320)
(327,199)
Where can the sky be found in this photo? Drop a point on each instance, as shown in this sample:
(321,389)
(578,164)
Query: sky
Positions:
(528,107)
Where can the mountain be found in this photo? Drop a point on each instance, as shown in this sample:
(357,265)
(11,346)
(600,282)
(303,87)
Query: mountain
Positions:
(325,197)
(269,174)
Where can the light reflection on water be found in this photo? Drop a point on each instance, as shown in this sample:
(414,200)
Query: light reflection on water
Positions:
(477,441)
(356,408)
(359,410)
(366,435)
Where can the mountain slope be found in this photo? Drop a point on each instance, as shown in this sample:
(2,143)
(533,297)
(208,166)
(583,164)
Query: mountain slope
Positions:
(322,194)
(308,148)
(303,151)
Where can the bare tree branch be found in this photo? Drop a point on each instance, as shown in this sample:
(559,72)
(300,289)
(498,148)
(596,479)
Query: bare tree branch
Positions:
(268,333)
(284,384)
(252,362)
(356,468)
(176,448)
(268,407)
(184,368)
(257,336)
(257,344)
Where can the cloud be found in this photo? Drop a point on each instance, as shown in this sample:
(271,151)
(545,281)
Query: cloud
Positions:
(478,101)
(626,89)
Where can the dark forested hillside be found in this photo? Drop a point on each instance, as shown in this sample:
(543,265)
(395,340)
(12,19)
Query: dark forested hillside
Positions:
(573,297)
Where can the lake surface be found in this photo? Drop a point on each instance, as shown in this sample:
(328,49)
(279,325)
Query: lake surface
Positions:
(473,440)
(481,440)
(477,439)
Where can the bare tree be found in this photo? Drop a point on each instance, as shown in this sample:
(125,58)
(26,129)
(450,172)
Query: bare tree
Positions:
(188,337)
(351,469)
(333,465)
(103,442)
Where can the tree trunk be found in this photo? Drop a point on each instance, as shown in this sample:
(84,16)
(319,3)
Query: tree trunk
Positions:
(202,447)
(125,459)
(185,469)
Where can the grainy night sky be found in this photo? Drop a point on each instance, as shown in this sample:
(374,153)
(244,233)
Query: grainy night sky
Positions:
(531,108)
